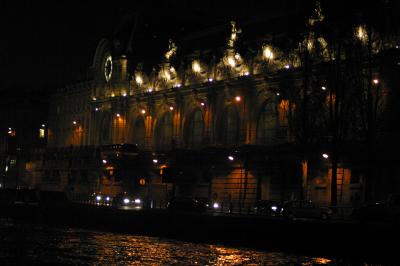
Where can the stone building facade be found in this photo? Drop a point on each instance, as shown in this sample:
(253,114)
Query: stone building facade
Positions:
(233,102)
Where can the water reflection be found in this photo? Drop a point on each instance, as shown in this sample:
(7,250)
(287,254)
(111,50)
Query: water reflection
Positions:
(25,244)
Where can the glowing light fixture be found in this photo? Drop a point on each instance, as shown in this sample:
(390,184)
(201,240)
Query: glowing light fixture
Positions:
(118,115)
(94,98)
(171,108)
(124,94)
(139,80)
(375,81)
(246,73)
(238,98)
(196,67)
(361,33)
(323,88)
(202,104)
(96,109)
(74,122)
(268,54)
(210,79)
(309,45)
(277,94)
(41,133)
(231,61)
(231,158)
(326,156)
(155,161)
(43,125)
(104,161)
(150,90)
(143,111)
(287,66)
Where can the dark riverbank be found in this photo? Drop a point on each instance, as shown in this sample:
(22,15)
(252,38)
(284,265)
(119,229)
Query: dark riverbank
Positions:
(347,240)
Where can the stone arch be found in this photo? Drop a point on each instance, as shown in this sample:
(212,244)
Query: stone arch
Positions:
(103,48)
(228,126)
(267,123)
(163,137)
(194,129)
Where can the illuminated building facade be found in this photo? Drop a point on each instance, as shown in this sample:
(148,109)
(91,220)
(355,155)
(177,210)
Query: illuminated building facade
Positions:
(234,106)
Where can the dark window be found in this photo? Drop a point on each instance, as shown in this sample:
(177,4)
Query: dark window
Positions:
(138,131)
(194,130)
(267,124)
(164,133)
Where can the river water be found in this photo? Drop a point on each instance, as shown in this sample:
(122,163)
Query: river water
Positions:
(26,244)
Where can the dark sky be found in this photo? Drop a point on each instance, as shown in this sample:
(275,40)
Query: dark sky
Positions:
(48,44)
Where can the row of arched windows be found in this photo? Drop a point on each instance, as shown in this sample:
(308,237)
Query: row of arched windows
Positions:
(227,129)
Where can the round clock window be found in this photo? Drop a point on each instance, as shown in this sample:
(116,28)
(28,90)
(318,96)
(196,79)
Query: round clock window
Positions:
(108,68)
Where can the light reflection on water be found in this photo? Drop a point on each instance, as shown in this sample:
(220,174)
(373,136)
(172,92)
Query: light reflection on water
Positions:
(24,244)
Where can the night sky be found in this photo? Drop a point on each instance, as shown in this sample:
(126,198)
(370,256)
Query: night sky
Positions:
(49,44)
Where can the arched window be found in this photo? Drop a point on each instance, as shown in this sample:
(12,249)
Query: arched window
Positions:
(163,137)
(229,127)
(194,129)
(138,131)
(267,124)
